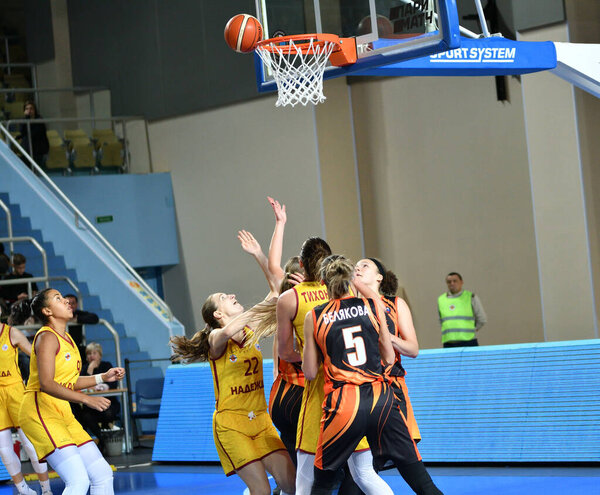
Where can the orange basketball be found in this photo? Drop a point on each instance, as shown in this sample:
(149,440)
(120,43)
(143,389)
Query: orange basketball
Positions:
(243,32)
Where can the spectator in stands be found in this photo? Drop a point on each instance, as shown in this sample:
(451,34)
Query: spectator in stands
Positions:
(37,144)
(4,269)
(92,420)
(17,317)
(4,262)
(17,292)
(81,318)
(461,314)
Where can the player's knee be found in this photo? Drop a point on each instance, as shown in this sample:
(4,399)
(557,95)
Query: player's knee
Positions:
(10,460)
(324,481)
(100,474)
(303,483)
(77,485)
(39,467)
(288,485)
(260,489)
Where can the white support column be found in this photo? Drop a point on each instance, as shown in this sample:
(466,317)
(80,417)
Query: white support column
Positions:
(558,201)
(62,58)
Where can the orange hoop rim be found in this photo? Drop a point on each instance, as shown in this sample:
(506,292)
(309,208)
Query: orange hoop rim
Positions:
(344,52)
(318,39)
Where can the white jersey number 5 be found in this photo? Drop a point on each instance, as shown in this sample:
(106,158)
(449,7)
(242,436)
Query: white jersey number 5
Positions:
(359,356)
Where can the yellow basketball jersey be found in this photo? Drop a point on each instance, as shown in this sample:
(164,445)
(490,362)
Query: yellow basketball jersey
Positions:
(67,363)
(238,377)
(308,296)
(9,359)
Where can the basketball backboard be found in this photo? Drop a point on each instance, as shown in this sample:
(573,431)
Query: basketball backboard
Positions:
(386,31)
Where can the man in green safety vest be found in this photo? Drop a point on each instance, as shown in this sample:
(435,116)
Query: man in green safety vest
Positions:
(461,314)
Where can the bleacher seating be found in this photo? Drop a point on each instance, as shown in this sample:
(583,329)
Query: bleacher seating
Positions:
(83,153)
(16,80)
(58,154)
(12,109)
(110,150)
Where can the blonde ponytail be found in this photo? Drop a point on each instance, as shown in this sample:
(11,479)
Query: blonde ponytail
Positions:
(195,349)
(336,273)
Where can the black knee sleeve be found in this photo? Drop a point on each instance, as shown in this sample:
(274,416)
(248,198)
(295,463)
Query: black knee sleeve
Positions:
(349,486)
(418,478)
(325,482)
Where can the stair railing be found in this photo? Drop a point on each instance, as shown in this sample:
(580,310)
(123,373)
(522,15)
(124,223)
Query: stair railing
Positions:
(8,224)
(81,217)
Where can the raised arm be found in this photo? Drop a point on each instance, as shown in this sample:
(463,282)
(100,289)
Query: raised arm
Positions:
(286,309)
(276,246)
(388,356)
(407,344)
(310,362)
(18,339)
(218,337)
(251,246)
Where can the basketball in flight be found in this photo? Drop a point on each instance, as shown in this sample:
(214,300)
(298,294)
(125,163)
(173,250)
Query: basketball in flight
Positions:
(243,32)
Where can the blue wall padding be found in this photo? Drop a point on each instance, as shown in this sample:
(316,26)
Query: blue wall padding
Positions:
(142,210)
(184,431)
(509,403)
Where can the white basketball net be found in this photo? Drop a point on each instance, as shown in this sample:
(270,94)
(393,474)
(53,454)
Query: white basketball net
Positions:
(299,76)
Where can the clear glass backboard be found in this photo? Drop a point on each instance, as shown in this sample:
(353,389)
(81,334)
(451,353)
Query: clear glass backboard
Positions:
(386,31)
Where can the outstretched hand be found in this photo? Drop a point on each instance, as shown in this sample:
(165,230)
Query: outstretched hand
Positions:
(249,243)
(113,375)
(296,278)
(279,210)
(97,403)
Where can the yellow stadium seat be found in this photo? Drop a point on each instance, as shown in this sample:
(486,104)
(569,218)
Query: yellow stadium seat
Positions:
(83,154)
(75,133)
(16,81)
(110,149)
(13,110)
(58,154)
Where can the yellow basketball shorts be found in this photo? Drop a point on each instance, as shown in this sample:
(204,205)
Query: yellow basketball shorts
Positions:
(243,438)
(11,397)
(311,411)
(49,424)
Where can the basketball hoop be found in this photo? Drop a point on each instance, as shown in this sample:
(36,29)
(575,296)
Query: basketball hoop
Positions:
(298,63)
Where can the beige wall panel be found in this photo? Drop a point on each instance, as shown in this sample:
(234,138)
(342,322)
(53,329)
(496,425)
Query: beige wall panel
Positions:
(445,187)
(338,170)
(62,58)
(559,204)
(588,118)
(48,101)
(584,27)
(223,164)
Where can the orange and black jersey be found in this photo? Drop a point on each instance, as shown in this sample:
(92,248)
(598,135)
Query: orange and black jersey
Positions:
(391,316)
(290,372)
(347,333)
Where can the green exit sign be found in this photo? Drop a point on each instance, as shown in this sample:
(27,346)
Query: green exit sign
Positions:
(104,219)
